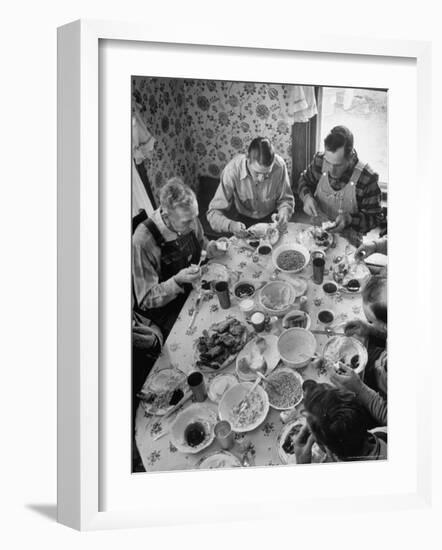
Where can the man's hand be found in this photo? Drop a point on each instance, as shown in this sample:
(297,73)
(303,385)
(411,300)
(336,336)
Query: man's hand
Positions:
(357,328)
(341,222)
(213,251)
(310,206)
(365,250)
(303,444)
(238,229)
(347,379)
(282,218)
(188,275)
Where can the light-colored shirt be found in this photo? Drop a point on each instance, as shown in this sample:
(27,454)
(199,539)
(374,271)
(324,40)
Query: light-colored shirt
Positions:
(150,293)
(254,200)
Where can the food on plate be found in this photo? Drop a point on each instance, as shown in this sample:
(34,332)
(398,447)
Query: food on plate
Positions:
(194,434)
(205,285)
(218,346)
(298,319)
(289,440)
(345,350)
(284,389)
(290,260)
(244,290)
(219,459)
(243,416)
(321,237)
(254,361)
(254,243)
(176,397)
(264,249)
(164,390)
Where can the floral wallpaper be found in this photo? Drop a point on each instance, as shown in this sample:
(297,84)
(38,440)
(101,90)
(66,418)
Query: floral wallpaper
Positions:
(200,125)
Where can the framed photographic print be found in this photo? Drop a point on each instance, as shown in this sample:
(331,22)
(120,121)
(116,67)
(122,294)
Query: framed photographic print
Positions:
(224,214)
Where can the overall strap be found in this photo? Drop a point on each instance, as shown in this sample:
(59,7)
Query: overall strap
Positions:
(156,234)
(357,171)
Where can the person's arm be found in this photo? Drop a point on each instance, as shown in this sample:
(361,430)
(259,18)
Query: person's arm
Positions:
(308,180)
(368,196)
(149,292)
(222,201)
(286,200)
(374,403)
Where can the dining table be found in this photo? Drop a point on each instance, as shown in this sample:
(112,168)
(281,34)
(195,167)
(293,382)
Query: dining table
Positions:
(179,350)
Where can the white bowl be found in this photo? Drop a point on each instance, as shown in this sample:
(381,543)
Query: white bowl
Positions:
(270,354)
(196,412)
(275,291)
(232,399)
(297,346)
(293,374)
(295,313)
(293,246)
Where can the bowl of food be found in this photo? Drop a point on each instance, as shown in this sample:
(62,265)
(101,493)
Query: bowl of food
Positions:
(296,318)
(284,388)
(296,346)
(244,289)
(244,418)
(192,430)
(218,459)
(291,258)
(276,297)
(345,350)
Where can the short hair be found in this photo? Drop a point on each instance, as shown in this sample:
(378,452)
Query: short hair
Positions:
(176,194)
(337,419)
(339,136)
(373,296)
(261,150)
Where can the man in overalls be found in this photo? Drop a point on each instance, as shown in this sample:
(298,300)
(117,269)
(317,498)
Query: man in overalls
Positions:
(253,187)
(339,187)
(165,250)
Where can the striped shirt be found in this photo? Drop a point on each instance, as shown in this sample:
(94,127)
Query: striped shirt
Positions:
(368,193)
(254,200)
(150,293)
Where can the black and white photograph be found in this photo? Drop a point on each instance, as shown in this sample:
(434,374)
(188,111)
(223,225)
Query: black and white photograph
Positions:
(259,274)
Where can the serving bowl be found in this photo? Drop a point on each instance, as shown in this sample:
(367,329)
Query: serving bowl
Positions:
(280,294)
(297,346)
(255,413)
(287,248)
(282,377)
(344,348)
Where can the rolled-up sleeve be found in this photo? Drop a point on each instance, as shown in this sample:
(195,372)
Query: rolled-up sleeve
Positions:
(149,292)
(222,201)
(286,200)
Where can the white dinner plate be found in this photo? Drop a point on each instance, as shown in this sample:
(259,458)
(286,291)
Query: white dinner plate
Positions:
(271,355)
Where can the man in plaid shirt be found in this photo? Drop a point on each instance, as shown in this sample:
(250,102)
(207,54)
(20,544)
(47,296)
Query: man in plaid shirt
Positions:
(339,187)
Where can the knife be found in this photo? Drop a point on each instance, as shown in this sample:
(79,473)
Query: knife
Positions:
(197,305)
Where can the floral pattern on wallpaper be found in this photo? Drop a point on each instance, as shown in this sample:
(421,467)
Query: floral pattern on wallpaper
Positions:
(200,125)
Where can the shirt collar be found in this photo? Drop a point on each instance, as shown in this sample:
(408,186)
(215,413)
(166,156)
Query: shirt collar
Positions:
(243,171)
(167,233)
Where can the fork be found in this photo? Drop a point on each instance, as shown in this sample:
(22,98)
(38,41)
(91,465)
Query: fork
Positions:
(243,403)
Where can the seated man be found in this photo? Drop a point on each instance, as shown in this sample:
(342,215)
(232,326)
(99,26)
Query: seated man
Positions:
(165,249)
(338,422)
(252,187)
(339,187)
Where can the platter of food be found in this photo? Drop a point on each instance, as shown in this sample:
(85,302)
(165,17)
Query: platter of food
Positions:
(351,276)
(286,440)
(345,350)
(260,354)
(260,231)
(290,258)
(193,429)
(163,391)
(219,345)
(244,418)
(218,459)
(296,318)
(284,388)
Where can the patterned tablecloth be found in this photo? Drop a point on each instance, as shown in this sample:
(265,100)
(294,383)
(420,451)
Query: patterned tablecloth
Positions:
(179,352)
